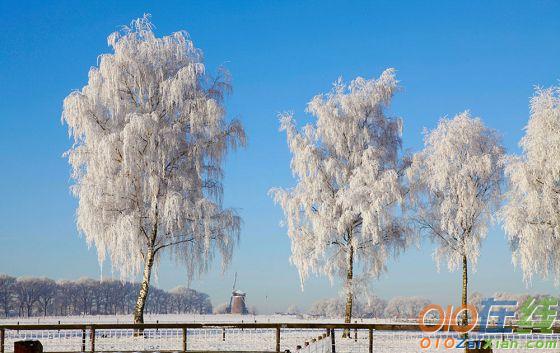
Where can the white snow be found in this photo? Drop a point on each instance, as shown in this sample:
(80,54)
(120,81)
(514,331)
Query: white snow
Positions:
(235,338)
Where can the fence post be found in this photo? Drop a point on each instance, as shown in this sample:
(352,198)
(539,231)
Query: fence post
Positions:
(278,339)
(370,340)
(356,332)
(333,343)
(2,333)
(92,340)
(223,334)
(184,339)
(83,340)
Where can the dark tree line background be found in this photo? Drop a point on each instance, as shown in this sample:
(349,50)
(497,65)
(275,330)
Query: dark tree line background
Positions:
(31,296)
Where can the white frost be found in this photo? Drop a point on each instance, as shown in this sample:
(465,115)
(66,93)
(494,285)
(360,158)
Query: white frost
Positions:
(149,140)
(531,217)
(455,186)
(348,190)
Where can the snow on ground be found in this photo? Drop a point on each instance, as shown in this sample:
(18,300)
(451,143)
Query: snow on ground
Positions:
(172,318)
(235,338)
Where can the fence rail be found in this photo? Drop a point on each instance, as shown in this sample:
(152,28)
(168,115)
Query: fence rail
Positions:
(177,337)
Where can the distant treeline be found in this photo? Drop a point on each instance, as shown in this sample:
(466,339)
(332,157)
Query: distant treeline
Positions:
(30,296)
(409,307)
(372,307)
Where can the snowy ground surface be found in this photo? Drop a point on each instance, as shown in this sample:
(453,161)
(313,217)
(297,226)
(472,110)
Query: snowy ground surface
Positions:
(240,339)
(220,318)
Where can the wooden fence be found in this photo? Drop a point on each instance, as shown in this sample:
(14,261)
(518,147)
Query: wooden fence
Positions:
(89,330)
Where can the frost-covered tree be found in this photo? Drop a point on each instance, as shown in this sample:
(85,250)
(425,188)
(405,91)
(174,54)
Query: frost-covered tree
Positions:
(329,308)
(363,306)
(65,299)
(190,301)
(343,214)
(150,137)
(27,290)
(373,307)
(84,289)
(476,299)
(531,216)
(221,309)
(455,185)
(405,307)
(47,293)
(7,284)
(158,301)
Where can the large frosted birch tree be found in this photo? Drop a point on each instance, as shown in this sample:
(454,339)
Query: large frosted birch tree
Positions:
(150,137)
(531,216)
(344,212)
(455,188)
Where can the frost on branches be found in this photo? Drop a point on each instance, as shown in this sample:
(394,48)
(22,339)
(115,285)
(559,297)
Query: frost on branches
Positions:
(456,187)
(344,209)
(531,216)
(149,141)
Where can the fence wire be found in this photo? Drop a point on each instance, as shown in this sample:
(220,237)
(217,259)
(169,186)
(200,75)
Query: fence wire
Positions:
(419,342)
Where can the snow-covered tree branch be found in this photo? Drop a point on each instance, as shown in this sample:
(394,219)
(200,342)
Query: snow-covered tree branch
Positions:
(531,217)
(149,141)
(345,207)
(455,184)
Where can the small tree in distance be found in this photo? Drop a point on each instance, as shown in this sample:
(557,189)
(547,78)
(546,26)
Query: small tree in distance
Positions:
(455,185)
(531,216)
(149,141)
(7,285)
(47,294)
(405,307)
(221,309)
(344,209)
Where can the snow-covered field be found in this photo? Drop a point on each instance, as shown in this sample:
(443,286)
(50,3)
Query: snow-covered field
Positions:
(173,318)
(235,338)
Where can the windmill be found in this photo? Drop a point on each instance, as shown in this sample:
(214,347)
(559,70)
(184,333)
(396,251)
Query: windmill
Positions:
(237,302)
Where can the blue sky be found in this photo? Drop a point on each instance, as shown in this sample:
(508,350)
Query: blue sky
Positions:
(485,56)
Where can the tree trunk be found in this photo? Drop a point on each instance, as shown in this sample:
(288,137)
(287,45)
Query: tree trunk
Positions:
(465,321)
(349,289)
(144,288)
(465,318)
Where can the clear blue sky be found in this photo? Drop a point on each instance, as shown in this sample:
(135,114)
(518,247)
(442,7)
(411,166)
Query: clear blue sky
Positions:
(485,56)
